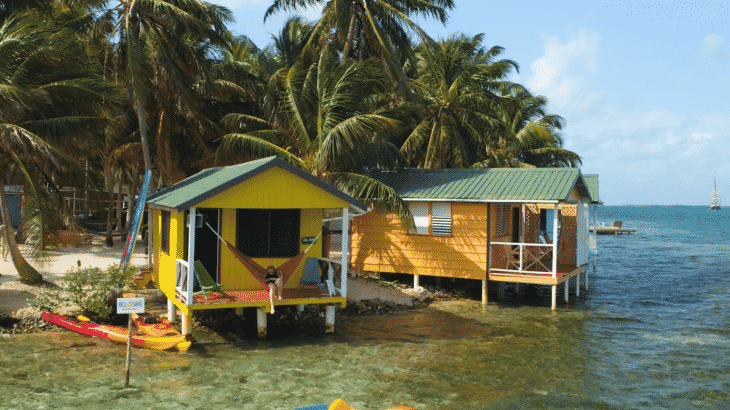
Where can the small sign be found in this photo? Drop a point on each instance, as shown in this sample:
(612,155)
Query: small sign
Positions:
(308,240)
(130,305)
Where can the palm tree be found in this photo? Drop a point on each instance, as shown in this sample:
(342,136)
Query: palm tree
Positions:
(328,128)
(364,29)
(157,45)
(526,135)
(49,97)
(456,80)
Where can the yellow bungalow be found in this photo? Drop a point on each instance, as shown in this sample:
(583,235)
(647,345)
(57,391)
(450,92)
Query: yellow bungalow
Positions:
(501,225)
(267,210)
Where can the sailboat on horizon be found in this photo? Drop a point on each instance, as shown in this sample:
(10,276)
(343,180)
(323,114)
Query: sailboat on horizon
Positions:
(715,205)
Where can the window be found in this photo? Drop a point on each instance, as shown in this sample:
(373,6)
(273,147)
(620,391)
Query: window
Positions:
(419,210)
(268,233)
(502,211)
(435,222)
(165,228)
(441,218)
(547,216)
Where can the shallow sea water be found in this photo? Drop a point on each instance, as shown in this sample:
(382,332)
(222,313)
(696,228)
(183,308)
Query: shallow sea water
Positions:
(652,331)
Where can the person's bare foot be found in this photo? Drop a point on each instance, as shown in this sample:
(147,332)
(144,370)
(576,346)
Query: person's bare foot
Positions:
(272,310)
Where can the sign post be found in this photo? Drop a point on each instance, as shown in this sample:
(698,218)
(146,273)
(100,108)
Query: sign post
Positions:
(129,306)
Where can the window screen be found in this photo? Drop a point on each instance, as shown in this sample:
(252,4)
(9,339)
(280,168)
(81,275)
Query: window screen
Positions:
(441,218)
(419,210)
(268,233)
(502,210)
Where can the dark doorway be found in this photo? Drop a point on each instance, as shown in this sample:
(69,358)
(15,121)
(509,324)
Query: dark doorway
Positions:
(207,244)
(516,224)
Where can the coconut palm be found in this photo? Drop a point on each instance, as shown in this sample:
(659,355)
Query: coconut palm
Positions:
(156,46)
(329,129)
(526,135)
(456,80)
(364,29)
(49,97)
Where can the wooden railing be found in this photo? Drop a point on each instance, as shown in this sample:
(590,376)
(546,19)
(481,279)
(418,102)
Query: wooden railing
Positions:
(332,270)
(182,270)
(522,258)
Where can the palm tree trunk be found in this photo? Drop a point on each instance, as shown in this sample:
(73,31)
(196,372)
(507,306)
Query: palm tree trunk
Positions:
(109,179)
(27,273)
(350,33)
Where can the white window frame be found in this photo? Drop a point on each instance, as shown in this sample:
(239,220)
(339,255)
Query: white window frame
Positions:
(502,215)
(431,218)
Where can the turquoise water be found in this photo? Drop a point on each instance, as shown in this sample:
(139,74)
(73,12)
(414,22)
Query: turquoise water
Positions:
(652,331)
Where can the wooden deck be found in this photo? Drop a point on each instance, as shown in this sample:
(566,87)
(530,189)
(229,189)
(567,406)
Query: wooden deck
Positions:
(564,273)
(254,298)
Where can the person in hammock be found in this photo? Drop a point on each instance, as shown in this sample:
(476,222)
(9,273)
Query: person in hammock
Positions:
(275,282)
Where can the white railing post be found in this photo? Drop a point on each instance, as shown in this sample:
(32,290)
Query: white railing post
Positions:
(555,241)
(191,254)
(345,250)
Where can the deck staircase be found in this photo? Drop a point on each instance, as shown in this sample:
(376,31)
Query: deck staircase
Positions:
(141,279)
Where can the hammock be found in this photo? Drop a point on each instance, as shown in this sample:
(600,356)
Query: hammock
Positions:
(259,272)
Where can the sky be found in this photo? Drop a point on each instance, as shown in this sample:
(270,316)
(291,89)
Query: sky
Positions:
(644,87)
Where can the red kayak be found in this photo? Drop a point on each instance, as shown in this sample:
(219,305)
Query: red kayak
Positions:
(119,334)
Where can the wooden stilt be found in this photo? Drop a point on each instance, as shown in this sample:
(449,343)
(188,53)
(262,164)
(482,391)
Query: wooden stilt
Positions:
(171,311)
(329,319)
(554,297)
(261,321)
(187,324)
(416,281)
(485,298)
(577,285)
(567,288)
(517,287)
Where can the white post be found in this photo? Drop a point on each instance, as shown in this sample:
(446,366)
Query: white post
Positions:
(577,285)
(484,292)
(567,288)
(191,254)
(554,297)
(416,281)
(187,324)
(555,241)
(171,311)
(261,321)
(329,321)
(345,251)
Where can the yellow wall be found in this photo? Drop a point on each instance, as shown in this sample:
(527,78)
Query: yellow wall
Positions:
(380,243)
(275,188)
(164,267)
(235,277)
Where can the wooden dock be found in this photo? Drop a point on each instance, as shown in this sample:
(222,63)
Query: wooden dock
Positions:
(614,229)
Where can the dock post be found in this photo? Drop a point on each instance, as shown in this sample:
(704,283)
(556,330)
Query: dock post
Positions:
(485,298)
(577,285)
(554,297)
(171,311)
(261,321)
(329,319)
(416,281)
(567,288)
(187,324)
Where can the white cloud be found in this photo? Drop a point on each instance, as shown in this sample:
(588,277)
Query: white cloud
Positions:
(560,74)
(713,44)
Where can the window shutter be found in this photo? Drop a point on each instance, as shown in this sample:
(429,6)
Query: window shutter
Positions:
(419,210)
(441,218)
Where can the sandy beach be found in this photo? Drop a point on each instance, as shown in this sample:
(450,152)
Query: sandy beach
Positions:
(56,263)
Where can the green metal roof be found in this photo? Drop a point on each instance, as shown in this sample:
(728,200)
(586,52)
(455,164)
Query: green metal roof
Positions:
(212,181)
(494,184)
(592,184)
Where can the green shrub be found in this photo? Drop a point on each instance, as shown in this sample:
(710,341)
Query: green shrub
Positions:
(89,289)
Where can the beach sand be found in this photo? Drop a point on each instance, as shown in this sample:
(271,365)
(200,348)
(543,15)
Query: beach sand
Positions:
(57,262)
